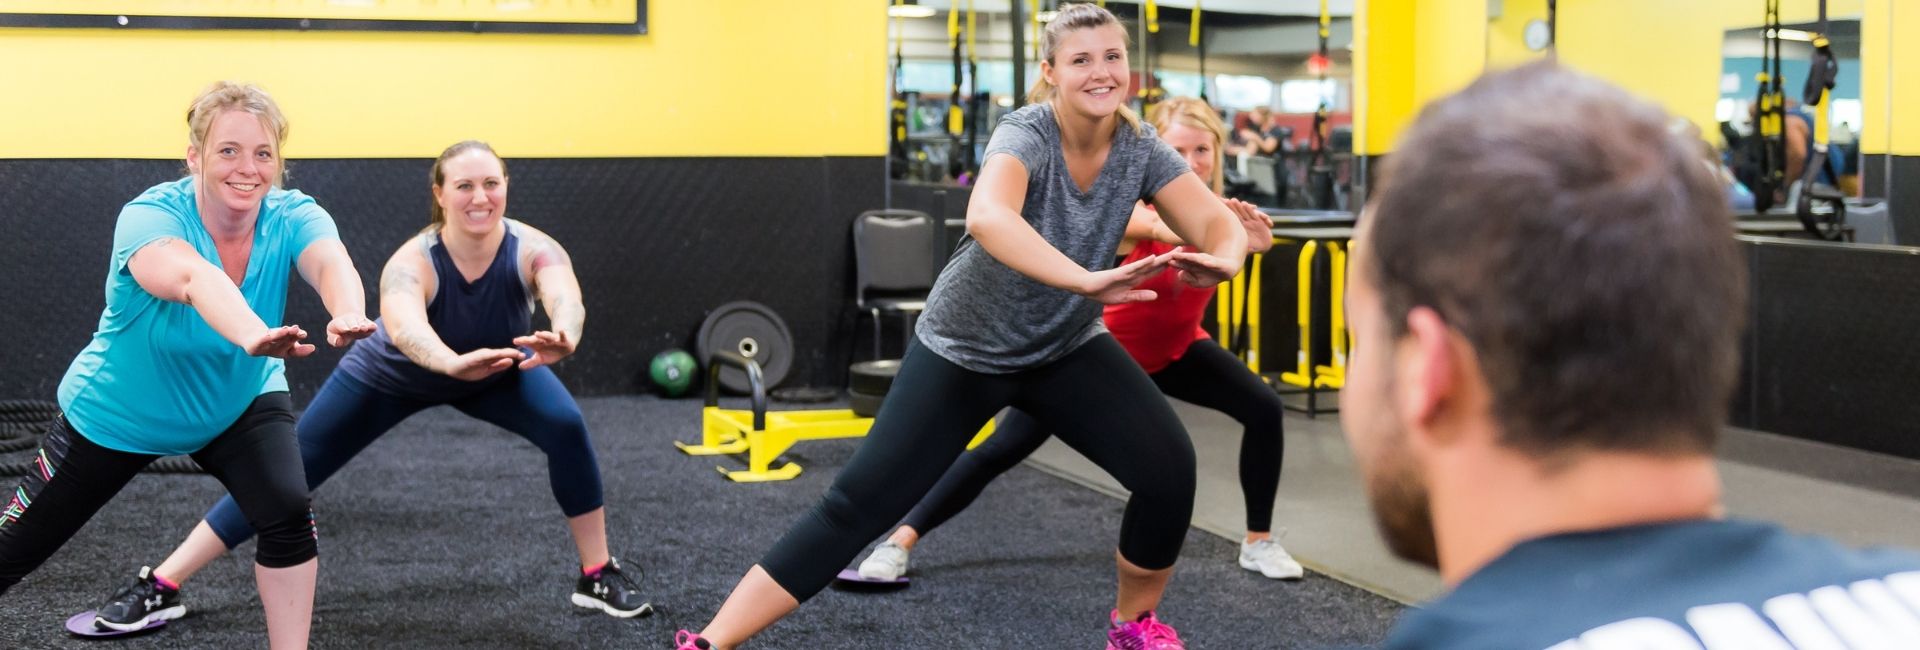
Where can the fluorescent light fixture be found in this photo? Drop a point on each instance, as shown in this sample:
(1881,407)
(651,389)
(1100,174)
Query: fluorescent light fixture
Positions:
(1046,16)
(910,11)
(1795,35)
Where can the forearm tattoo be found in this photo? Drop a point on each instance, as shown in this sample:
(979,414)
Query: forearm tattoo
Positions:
(400,283)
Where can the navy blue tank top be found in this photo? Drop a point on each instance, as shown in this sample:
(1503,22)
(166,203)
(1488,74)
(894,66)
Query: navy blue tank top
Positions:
(485,313)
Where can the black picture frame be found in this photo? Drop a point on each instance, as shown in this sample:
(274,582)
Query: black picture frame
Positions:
(135,21)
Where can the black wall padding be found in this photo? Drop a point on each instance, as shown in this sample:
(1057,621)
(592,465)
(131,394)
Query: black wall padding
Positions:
(657,242)
(1896,179)
(1834,355)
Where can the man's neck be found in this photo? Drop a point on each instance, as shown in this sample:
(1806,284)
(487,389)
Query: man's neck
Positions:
(1486,506)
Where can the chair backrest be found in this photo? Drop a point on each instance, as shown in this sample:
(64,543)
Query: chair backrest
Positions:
(895,251)
(1260,171)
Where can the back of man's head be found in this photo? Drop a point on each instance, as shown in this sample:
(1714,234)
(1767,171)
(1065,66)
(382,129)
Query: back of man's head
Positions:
(1580,248)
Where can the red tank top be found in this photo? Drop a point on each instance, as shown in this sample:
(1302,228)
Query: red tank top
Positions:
(1155,333)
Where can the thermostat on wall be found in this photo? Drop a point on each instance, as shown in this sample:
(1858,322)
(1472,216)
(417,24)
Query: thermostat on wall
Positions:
(1537,35)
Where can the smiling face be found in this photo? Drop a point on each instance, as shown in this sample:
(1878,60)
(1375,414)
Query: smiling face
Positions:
(472,194)
(1196,145)
(1089,70)
(238,163)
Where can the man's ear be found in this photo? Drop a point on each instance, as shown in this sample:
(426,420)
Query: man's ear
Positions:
(1427,372)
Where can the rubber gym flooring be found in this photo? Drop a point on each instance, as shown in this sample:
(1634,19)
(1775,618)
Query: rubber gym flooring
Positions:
(444,535)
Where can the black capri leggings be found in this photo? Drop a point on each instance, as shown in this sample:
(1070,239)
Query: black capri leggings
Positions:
(256,459)
(1097,400)
(1205,375)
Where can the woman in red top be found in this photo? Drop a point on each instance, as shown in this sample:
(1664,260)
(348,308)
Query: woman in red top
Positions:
(1165,338)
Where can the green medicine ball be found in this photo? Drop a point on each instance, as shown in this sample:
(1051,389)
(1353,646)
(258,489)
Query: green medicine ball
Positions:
(673,371)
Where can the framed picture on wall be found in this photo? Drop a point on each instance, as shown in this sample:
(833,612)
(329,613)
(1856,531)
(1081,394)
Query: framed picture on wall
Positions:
(504,16)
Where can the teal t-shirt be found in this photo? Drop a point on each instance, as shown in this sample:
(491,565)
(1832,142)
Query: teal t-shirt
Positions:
(157,379)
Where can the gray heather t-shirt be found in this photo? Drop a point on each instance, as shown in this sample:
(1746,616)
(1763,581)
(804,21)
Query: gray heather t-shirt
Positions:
(989,318)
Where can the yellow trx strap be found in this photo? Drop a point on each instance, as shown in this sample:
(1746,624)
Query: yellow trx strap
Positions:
(956,120)
(898,105)
(973,53)
(1033,9)
(1153,17)
(1193,33)
(1325,19)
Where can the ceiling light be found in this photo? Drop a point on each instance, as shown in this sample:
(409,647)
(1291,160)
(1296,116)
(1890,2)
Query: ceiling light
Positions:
(1795,35)
(1046,16)
(910,11)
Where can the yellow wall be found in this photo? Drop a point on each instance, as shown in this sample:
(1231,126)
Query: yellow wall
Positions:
(711,78)
(1406,53)
(1383,74)
(1892,41)
(1668,52)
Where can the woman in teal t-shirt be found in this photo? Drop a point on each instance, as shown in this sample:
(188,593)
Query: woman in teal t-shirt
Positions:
(188,357)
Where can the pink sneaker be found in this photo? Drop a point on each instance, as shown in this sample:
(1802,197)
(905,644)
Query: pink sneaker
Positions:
(684,640)
(1146,633)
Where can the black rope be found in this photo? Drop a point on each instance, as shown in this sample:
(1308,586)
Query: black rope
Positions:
(24,421)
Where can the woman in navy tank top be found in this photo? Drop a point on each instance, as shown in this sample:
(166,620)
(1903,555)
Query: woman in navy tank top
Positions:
(456,329)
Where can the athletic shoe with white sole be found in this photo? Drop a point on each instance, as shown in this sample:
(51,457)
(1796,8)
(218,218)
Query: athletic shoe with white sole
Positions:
(1143,633)
(888,562)
(1266,558)
(140,603)
(610,590)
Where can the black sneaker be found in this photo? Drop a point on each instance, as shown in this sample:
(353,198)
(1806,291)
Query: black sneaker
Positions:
(139,604)
(611,591)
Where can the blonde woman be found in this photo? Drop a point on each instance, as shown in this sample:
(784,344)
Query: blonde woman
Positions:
(188,360)
(1014,320)
(1165,338)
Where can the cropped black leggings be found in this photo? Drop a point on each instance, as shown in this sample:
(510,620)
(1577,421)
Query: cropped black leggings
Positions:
(256,459)
(1096,399)
(1205,375)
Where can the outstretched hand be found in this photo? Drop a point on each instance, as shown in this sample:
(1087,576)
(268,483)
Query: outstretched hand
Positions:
(1116,285)
(343,331)
(1201,270)
(548,348)
(283,342)
(482,363)
(1259,226)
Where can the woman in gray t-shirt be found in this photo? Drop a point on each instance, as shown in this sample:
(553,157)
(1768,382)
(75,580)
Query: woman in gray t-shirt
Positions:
(1014,320)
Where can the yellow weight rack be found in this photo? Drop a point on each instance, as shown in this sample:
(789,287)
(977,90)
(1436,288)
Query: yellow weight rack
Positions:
(763,435)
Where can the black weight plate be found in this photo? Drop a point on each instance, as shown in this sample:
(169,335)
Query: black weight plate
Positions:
(751,330)
(805,394)
(872,377)
(864,405)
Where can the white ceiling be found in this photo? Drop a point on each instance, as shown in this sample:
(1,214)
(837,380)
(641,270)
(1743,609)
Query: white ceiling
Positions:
(1338,8)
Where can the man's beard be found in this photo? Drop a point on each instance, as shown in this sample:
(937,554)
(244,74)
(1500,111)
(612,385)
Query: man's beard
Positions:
(1402,510)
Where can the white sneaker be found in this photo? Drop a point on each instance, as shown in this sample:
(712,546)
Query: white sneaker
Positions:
(888,562)
(1266,558)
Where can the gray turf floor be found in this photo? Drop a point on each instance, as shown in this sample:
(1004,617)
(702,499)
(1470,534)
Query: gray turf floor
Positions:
(444,535)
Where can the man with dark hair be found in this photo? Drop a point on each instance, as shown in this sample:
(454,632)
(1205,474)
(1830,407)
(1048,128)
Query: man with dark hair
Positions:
(1546,300)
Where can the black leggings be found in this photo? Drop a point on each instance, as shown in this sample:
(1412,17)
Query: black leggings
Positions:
(256,459)
(1098,400)
(1205,375)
